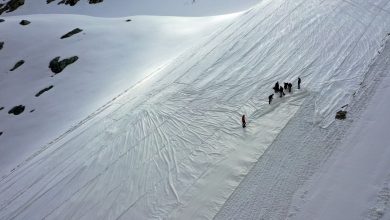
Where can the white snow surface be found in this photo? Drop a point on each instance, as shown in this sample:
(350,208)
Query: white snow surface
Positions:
(171,146)
(355,181)
(122,8)
(114,55)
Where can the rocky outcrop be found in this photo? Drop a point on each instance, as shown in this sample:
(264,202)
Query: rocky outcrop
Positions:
(1,133)
(1,108)
(17,65)
(17,110)
(57,66)
(11,5)
(71,33)
(1,45)
(24,22)
(49,1)
(2,20)
(43,91)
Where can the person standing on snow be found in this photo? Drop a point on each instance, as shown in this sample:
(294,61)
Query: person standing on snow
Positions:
(285,85)
(289,87)
(276,88)
(243,121)
(299,83)
(281,92)
(270,98)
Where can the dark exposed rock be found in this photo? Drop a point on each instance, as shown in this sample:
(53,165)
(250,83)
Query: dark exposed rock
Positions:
(1,133)
(128,20)
(43,91)
(49,1)
(1,108)
(11,5)
(17,65)
(95,1)
(2,20)
(17,110)
(341,115)
(57,66)
(68,2)
(1,45)
(24,22)
(74,2)
(71,33)
(32,110)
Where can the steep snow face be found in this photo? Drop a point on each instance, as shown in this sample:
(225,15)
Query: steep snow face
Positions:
(120,8)
(172,146)
(113,55)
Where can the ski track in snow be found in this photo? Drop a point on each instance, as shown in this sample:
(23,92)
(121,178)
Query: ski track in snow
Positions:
(174,146)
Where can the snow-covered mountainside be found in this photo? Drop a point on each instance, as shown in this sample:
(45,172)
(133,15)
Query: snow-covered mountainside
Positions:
(122,8)
(113,55)
(169,144)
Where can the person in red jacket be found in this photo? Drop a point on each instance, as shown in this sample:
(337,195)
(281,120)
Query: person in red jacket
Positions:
(243,121)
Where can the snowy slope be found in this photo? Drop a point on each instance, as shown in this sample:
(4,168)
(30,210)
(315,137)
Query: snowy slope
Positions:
(122,8)
(355,182)
(113,56)
(172,146)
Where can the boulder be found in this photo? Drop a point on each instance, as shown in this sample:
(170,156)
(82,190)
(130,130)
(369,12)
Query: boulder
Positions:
(1,45)
(24,22)
(17,110)
(58,66)
(341,115)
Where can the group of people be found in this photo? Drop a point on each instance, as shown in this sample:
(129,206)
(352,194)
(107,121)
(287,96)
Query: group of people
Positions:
(281,89)
(277,89)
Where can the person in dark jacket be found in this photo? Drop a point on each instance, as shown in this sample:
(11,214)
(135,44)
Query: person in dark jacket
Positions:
(276,88)
(243,121)
(285,85)
(299,83)
(281,92)
(289,87)
(270,98)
